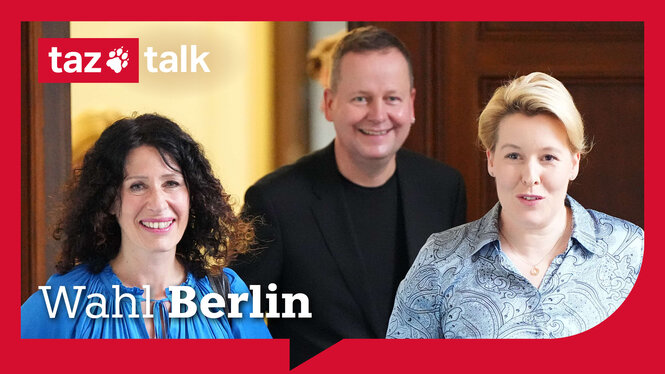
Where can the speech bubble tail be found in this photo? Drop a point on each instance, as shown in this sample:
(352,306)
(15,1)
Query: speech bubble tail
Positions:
(313,361)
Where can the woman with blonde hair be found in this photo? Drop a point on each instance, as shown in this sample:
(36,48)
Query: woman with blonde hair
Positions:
(538,264)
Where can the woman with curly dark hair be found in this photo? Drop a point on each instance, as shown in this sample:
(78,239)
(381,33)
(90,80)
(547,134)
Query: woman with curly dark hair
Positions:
(143,214)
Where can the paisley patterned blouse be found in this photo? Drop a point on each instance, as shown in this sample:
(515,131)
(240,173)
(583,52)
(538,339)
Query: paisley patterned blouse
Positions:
(462,285)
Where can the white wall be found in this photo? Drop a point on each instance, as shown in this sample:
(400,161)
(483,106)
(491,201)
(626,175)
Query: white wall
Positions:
(321,131)
(226,110)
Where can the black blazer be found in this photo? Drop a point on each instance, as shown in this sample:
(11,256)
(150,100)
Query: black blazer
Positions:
(305,245)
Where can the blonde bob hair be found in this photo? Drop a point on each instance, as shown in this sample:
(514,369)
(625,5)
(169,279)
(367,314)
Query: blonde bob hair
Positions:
(533,94)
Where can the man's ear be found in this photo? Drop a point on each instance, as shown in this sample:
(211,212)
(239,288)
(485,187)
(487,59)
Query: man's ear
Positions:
(328,97)
(413,110)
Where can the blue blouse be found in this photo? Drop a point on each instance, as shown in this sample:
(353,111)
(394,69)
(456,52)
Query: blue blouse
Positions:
(36,323)
(462,285)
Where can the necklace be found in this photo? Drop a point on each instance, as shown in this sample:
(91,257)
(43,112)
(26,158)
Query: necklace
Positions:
(534,267)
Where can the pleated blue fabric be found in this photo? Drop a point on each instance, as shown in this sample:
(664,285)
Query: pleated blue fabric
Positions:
(129,323)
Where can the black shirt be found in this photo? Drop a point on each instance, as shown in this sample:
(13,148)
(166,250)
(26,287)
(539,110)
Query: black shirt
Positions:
(377,225)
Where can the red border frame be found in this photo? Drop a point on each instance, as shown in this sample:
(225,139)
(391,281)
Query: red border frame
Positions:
(628,340)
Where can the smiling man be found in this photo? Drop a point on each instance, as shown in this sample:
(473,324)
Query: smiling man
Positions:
(343,224)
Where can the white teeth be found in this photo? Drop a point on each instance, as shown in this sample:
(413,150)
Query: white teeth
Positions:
(530,198)
(370,132)
(157,225)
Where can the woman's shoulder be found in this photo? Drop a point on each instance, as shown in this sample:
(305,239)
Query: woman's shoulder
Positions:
(602,227)
(601,220)
(449,248)
(236,284)
(71,285)
(449,240)
(46,313)
(465,239)
(80,275)
(616,234)
(604,233)
(231,274)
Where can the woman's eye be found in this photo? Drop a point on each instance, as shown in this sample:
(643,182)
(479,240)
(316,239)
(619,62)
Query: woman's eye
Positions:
(136,187)
(172,184)
(512,156)
(549,158)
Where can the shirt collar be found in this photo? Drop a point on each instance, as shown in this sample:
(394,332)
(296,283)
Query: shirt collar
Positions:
(110,279)
(486,231)
(584,232)
(584,227)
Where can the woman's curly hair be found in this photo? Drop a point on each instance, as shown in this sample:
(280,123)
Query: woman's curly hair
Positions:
(90,233)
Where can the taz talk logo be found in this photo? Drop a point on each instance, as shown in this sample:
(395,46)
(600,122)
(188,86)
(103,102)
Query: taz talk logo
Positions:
(62,60)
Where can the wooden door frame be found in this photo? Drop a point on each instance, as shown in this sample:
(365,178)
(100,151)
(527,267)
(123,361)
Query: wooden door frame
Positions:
(45,156)
(291,133)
